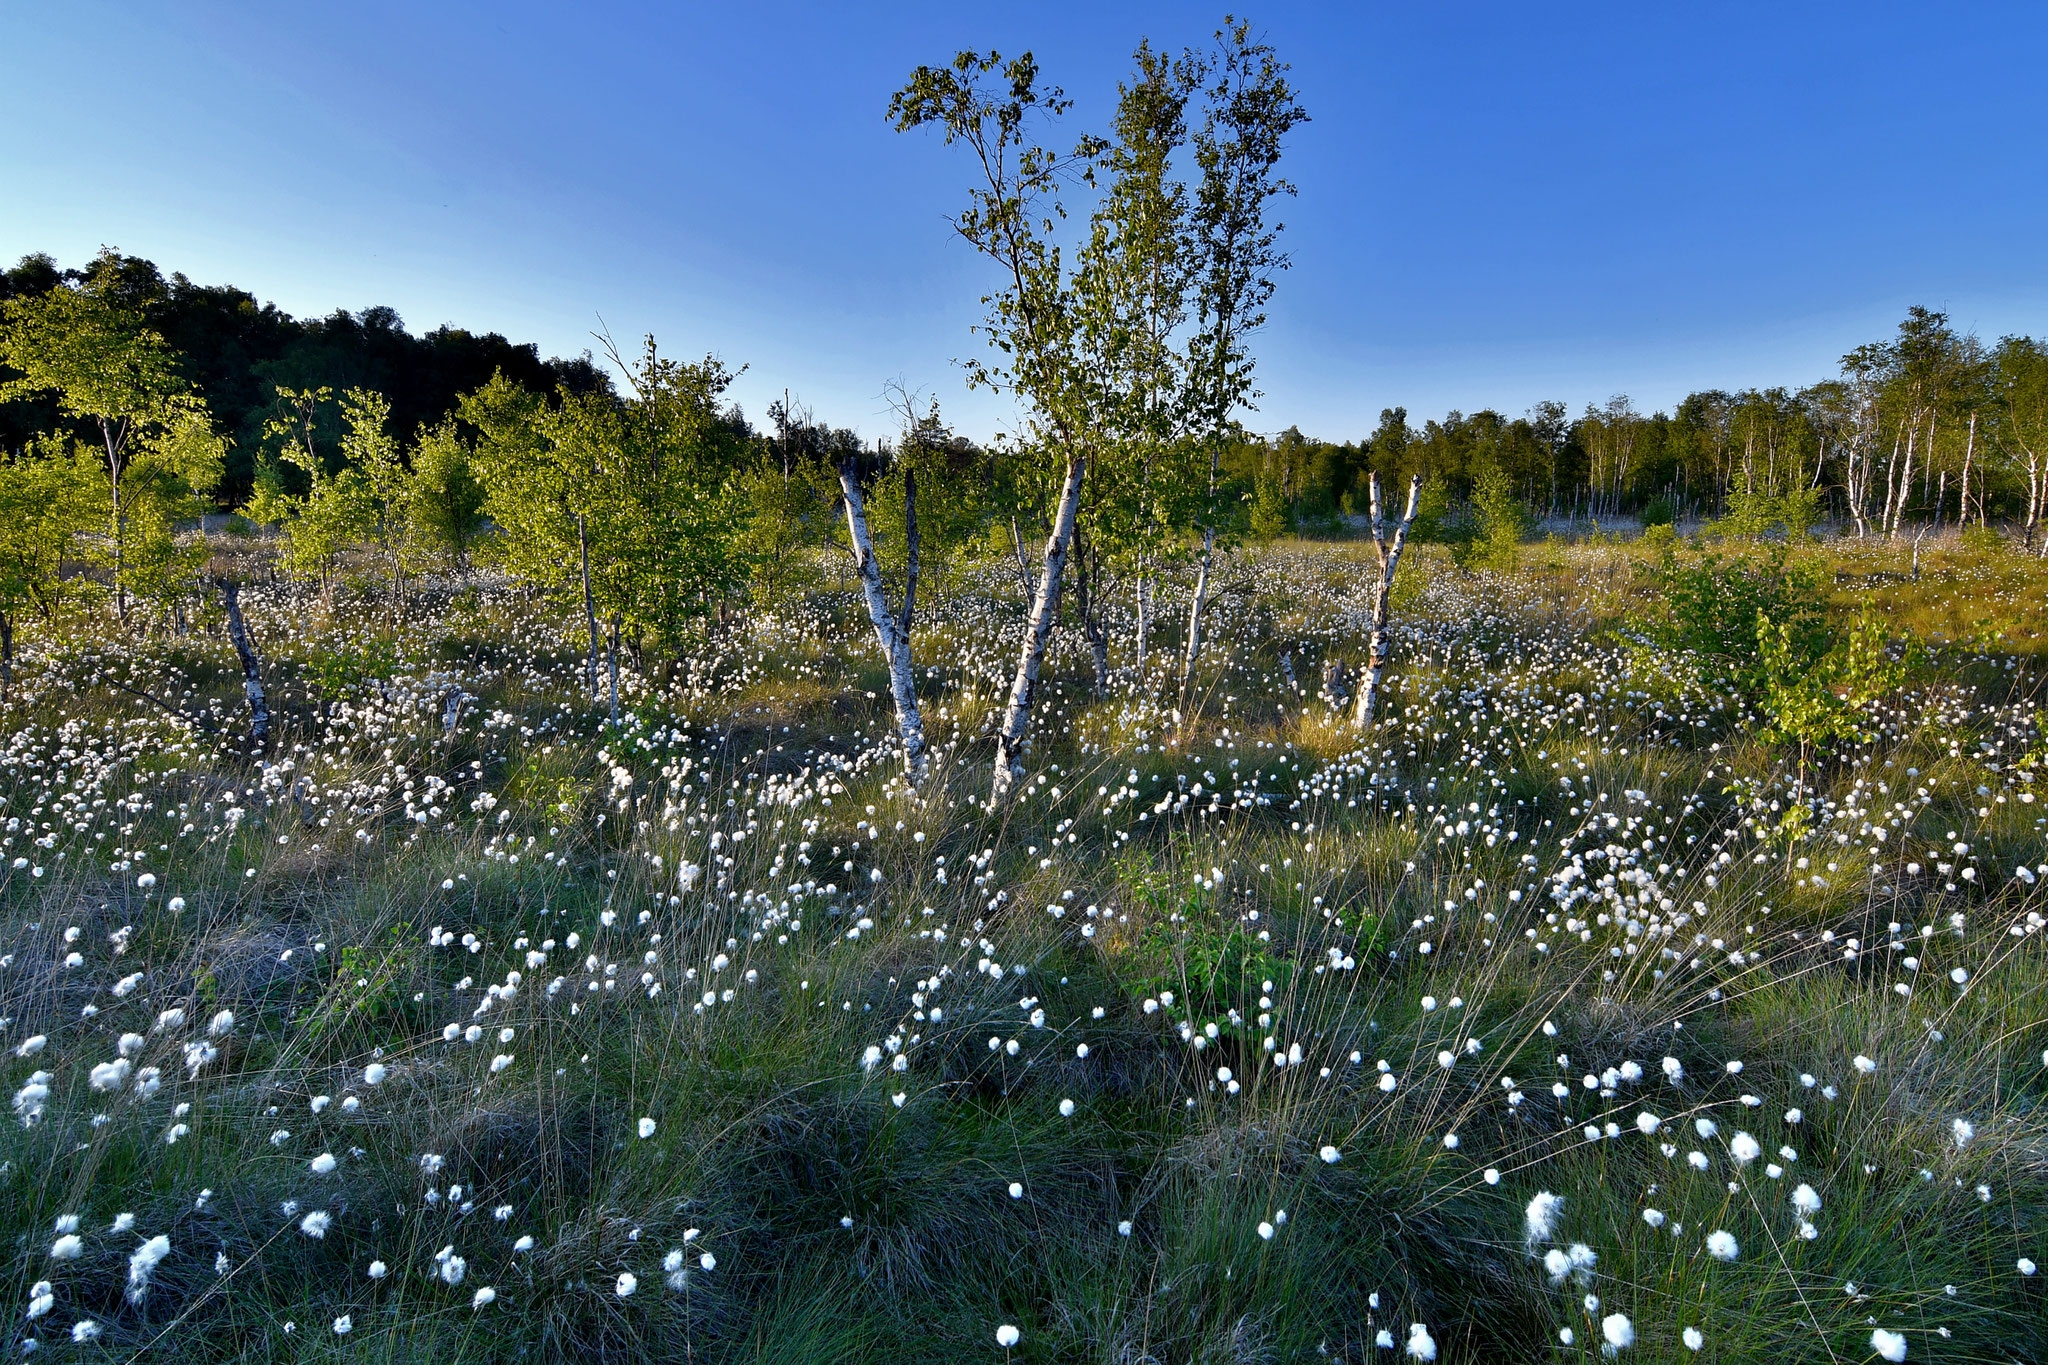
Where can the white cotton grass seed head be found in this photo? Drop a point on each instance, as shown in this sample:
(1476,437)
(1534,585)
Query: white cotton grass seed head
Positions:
(1540,1218)
(626,1284)
(1693,1338)
(1421,1345)
(484,1296)
(1008,1336)
(1618,1331)
(1888,1344)
(143,1262)
(1805,1200)
(1721,1245)
(646,1128)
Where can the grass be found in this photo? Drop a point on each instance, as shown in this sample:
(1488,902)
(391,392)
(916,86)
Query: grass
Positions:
(1237,1035)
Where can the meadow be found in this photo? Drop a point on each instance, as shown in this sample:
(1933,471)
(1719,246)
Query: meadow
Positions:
(1582,1006)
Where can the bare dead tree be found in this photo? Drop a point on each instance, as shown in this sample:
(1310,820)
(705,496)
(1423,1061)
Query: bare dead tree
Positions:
(1388,551)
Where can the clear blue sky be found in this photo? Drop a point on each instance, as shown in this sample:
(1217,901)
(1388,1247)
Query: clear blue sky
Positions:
(1499,203)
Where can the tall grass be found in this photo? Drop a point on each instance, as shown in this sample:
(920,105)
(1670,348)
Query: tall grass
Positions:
(1156,1062)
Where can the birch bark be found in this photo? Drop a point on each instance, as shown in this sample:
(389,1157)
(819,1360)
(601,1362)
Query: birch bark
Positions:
(1388,553)
(892,632)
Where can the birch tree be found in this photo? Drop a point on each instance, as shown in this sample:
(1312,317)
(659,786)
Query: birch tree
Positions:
(109,368)
(927,508)
(1387,550)
(2022,427)
(992,106)
(46,505)
(380,482)
(1132,288)
(1249,110)
(330,516)
(539,495)
(634,500)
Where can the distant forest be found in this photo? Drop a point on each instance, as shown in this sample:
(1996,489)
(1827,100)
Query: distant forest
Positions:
(1930,424)
(237,351)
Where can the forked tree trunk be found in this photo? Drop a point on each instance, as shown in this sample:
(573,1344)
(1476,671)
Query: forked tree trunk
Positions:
(1045,609)
(892,632)
(1388,553)
(252,670)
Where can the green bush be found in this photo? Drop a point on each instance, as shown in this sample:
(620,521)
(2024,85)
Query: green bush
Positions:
(1715,610)
(1499,523)
(1982,540)
(350,666)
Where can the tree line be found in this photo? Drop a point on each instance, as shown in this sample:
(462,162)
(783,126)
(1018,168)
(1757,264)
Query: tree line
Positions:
(1930,426)
(237,351)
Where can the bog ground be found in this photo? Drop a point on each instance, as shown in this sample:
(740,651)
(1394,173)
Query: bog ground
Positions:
(1573,1008)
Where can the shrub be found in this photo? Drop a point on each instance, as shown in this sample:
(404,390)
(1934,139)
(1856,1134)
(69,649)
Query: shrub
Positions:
(1715,612)
(1982,540)
(1499,523)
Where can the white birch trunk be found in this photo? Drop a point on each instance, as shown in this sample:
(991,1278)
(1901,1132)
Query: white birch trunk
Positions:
(1045,608)
(1905,488)
(1389,554)
(891,633)
(1969,458)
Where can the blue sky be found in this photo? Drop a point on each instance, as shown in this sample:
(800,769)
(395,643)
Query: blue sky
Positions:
(1499,203)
